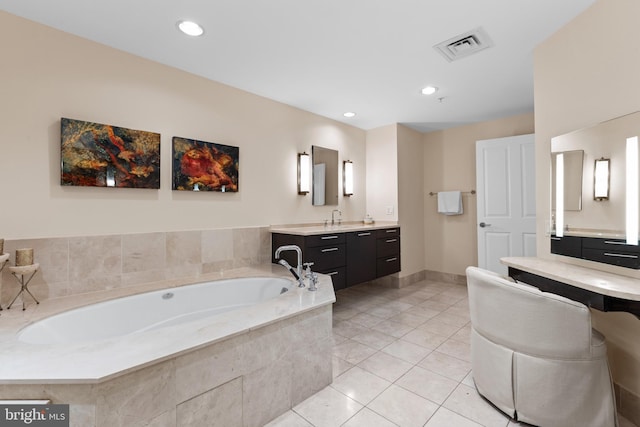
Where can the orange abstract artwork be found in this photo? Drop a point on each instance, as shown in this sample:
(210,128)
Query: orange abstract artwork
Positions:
(204,166)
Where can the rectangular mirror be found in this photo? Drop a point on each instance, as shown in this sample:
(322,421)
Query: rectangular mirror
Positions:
(606,140)
(572,179)
(325,183)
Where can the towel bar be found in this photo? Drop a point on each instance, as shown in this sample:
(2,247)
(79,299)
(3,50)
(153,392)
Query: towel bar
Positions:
(431,193)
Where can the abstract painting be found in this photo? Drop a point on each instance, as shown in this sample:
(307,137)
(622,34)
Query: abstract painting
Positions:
(204,166)
(98,155)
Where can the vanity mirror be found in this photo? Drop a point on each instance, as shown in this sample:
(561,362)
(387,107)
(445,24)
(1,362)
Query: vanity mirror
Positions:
(325,182)
(585,214)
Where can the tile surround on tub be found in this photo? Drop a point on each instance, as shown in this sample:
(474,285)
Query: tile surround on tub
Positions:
(78,265)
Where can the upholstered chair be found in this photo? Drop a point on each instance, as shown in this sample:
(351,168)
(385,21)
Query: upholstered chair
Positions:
(535,356)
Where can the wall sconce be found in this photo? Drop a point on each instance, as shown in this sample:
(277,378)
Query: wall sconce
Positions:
(347,177)
(631,208)
(601,180)
(304,172)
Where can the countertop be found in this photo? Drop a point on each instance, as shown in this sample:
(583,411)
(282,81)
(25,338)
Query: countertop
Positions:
(601,282)
(313,229)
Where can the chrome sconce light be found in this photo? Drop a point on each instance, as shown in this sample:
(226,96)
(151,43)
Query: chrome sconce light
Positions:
(601,179)
(304,172)
(347,177)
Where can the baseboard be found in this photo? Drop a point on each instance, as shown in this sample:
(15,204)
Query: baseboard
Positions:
(394,281)
(627,404)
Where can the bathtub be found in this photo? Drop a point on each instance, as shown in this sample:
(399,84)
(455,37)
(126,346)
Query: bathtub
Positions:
(247,348)
(152,310)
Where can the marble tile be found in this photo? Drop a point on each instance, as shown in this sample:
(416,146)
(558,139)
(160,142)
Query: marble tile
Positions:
(352,351)
(344,312)
(427,313)
(393,328)
(265,346)
(217,245)
(438,327)
(266,393)
(385,366)
(374,339)
(458,349)
(246,246)
(365,319)
(367,418)
(312,369)
(166,419)
(143,252)
(427,384)
(360,385)
(467,402)
(95,263)
(463,334)
(222,404)
(136,397)
(209,367)
(327,408)
(424,338)
(289,419)
(448,366)
(384,311)
(434,305)
(340,366)
(409,319)
(184,254)
(403,407)
(452,319)
(446,418)
(348,329)
(406,351)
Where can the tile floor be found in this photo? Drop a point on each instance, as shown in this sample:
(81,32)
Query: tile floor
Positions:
(401,358)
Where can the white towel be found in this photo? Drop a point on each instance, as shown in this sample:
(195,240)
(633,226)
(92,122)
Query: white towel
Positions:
(450,202)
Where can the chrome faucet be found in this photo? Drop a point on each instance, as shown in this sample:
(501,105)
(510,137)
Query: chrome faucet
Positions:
(333,221)
(297,272)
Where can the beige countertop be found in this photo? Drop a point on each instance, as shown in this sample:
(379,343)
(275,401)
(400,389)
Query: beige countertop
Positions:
(601,282)
(312,229)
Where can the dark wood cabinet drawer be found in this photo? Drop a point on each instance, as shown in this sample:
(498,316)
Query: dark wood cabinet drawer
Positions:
(567,246)
(324,239)
(609,245)
(326,257)
(387,265)
(338,277)
(388,232)
(388,246)
(361,257)
(613,257)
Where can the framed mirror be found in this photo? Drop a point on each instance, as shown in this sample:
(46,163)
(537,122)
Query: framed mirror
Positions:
(325,182)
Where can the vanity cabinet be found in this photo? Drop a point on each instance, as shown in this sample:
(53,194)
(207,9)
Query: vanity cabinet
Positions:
(349,257)
(607,251)
(327,252)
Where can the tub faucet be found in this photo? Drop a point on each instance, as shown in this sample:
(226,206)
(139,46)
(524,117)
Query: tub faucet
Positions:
(333,221)
(297,272)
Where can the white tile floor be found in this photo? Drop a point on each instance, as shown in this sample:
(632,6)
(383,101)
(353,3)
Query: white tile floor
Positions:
(401,358)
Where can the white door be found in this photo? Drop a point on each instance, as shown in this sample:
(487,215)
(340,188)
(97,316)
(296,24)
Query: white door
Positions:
(505,179)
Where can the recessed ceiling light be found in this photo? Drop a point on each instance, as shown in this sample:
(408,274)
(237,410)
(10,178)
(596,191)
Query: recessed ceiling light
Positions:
(190,28)
(429,90)
(349,114)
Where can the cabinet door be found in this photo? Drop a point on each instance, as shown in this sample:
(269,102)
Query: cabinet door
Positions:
(361,257)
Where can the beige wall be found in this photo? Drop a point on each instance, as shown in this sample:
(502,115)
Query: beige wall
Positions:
(585,74)
(450,164)
(411,193)
(47,74)
(382,176)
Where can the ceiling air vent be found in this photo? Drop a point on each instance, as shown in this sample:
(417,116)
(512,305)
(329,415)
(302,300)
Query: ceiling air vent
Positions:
(464,45)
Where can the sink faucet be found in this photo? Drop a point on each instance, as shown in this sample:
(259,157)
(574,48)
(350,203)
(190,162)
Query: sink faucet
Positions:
(333,221)
(297,272)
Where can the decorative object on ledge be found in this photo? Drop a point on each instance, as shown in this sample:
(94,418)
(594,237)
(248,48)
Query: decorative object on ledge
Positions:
(24,257)
(601,176)
(97,155)
(304,172)
(431,193)
(204,166)
(347,177)
(20,273)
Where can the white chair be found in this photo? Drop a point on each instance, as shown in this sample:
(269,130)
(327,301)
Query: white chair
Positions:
(535,356)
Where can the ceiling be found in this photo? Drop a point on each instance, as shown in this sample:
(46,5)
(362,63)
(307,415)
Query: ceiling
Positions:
(372,57)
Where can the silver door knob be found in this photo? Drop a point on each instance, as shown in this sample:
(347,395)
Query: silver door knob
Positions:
(484,224)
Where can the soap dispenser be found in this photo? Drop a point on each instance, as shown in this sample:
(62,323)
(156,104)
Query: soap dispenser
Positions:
(368,219)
